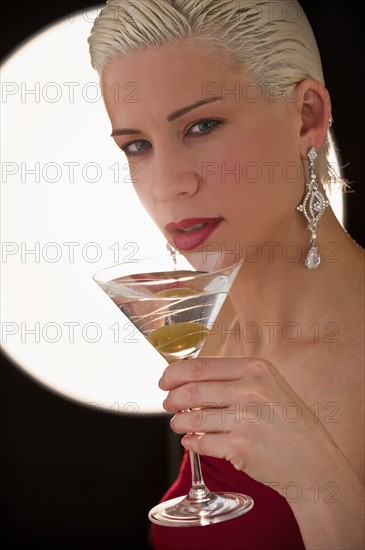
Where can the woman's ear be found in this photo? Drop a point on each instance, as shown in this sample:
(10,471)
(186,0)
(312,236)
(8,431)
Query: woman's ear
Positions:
(313,104)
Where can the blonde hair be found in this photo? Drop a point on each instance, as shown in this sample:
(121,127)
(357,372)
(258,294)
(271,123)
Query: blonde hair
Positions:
(273,41)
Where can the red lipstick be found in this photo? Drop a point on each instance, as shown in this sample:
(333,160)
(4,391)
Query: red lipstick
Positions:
(191,232)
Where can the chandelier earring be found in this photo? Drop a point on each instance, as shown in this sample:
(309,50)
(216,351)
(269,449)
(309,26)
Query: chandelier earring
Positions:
(313,206)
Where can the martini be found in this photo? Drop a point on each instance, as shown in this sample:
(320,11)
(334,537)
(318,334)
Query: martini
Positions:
(175,310)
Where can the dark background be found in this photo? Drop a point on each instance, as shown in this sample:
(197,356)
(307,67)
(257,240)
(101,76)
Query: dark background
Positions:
(70,475)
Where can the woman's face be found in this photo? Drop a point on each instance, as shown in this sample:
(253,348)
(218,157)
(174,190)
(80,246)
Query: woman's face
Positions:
(211,160)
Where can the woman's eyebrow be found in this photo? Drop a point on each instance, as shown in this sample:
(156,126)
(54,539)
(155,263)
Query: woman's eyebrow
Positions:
(173,116)
(124,132)
(184,110)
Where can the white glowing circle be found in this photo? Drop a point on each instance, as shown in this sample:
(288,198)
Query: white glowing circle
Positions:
(68,210)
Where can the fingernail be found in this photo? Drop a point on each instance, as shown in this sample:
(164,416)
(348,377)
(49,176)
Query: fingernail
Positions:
(186,441)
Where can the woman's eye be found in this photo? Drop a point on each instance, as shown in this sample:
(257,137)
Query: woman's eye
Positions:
(199,129)
(136,147)
(204,127)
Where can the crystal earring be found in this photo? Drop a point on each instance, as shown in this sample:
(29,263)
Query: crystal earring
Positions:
(313,206)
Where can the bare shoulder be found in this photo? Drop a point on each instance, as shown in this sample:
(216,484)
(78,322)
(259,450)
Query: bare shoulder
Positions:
(352,296)
(343,362)
(348,311)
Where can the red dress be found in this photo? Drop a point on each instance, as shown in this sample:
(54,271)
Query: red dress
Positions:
(269,525)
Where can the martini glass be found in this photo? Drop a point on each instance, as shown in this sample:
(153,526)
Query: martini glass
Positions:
(174,300)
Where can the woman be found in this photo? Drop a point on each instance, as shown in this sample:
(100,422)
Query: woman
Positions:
(222,112)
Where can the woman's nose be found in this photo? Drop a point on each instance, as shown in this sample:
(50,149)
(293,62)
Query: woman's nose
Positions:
(173,177)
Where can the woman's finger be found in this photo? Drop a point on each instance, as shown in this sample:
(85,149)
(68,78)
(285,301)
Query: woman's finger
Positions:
(212,368)
(199,395)
(217,445)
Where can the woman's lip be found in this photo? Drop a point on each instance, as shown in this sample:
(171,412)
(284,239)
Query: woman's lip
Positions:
(188,223)
(192,239)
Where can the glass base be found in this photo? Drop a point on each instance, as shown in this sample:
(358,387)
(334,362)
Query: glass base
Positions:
(185,512)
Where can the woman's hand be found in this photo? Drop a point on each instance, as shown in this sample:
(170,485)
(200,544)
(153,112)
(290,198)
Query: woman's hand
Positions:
(245,412)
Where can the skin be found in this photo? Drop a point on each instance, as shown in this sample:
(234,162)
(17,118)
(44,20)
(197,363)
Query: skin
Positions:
(321,371)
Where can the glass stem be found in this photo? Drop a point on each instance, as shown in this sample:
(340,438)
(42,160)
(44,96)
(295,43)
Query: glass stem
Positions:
(198,492)
(198,489)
